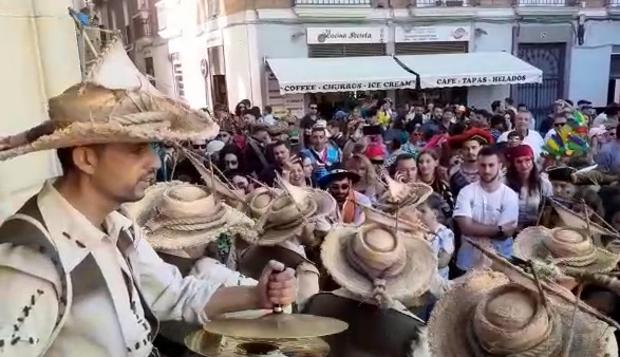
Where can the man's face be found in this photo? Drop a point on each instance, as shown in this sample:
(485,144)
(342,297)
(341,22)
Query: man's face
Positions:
(200,146)
(263,137)
(563,189)
(418,110)
(470,150)
(313,109)
(122,172)
(231,162)
(437,113)
(281,154)
(514,140)
(333,130)
(559,122)
(224,137)
(447,116)
(318,139)
(407,169)
(340,189)
(241,183)
(522,121)
(488,168)
(249,120)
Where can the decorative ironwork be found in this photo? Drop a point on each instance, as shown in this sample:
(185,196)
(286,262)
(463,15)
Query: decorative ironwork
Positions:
(543,3)
(539,97)
(441,3)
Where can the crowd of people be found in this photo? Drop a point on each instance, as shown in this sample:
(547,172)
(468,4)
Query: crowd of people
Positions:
(431,231)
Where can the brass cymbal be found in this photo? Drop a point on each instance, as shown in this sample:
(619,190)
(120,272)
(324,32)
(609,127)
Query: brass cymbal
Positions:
(210,345)
(277,326)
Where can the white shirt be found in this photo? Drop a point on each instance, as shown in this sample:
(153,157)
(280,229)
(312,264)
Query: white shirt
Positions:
(491,208)
(105,318)
(533,139)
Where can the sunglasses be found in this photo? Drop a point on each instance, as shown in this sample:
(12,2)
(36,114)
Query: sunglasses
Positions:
(201,147)
(314,108)
(339,187)
(230,162)
(559,125)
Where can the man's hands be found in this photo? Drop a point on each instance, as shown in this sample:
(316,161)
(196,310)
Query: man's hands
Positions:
(277,285)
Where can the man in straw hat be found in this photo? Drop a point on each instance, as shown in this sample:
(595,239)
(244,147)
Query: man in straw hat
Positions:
(289,221)
(377,266)
(488,314)
(79,278)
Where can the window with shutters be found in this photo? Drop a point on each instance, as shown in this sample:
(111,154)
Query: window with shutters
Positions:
(177,73)
(347,50)
(431,48)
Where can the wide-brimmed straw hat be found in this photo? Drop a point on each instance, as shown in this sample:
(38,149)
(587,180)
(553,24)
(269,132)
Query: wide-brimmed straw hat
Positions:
(402,195)
(487,315)
(177,215)
(573,219)
(115,104)
(376,261)
(285,215)
(258,201)
(566,247)
(407,221)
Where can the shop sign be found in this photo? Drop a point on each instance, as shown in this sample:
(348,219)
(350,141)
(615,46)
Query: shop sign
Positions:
(432,34)
(327,35)
(467,81)
(346,87)
(214,38)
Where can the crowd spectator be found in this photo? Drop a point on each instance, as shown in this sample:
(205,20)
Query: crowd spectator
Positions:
(368,183)
(530,137)
(322,154)
(432,214)
(404,169)
(430,174)
(609,157)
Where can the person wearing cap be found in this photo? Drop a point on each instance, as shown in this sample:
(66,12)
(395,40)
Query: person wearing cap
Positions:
(524,178)
(469,143)
(78,277)
(339,183)
(530,137)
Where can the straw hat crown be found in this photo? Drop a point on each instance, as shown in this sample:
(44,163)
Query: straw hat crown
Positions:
(377,252)
(401,195)
(178,215)
(116,103)
(567,247)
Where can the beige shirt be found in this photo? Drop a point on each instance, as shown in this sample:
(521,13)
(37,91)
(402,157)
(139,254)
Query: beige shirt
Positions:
(105,317)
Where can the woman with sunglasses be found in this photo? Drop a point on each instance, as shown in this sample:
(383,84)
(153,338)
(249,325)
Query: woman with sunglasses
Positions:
(523,177)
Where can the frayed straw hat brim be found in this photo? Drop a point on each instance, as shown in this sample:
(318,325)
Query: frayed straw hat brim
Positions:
(529,245)
(413,281)
(449,321)
(90,133)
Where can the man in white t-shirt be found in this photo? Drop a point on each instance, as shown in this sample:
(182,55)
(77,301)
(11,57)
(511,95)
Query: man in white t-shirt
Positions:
(530,137)
(486,211)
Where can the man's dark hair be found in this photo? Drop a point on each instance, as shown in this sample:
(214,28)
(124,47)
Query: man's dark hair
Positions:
(496,104)
(312,103)
(399,158)
(498,119)
(336,124)
(489,150)
(318,128)
(268,109)
(509,101)
(569,102)
(254,111)
(65,156)
(514,133)
(448,109)
(271,157)
(258,128)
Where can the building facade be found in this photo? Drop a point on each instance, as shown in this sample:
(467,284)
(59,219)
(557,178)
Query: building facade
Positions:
(217,52)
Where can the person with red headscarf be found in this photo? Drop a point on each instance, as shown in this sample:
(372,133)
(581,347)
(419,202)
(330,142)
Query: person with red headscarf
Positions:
(524,178)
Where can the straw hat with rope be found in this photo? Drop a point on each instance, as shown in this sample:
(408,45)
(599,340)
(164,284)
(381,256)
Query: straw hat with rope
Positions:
(377,261)
(115,104)
(402,195)
(178,216)
(566,247)
(290,212)
(497,317)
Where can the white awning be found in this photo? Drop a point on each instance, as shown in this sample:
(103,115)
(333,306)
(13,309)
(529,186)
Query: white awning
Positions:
(470,69)
(339,74)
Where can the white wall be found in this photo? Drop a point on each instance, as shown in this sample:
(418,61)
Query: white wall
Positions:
(498,38)
(239,80)
(43,62)
(589,69)
(163,68)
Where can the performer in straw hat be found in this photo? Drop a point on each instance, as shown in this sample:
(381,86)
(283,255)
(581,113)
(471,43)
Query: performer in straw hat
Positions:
(339,183)
(488,315)
(377,267)
(290,219)
(78,277)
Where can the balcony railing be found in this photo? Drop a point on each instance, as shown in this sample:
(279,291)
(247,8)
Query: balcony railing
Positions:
(142,27)
(441,3)
(333,2)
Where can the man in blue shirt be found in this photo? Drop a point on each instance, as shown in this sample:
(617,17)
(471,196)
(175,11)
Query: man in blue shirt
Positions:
(322,154)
